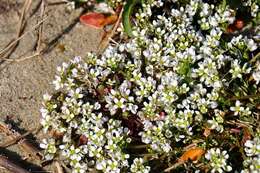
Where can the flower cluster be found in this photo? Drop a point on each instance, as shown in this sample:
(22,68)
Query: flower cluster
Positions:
(252,150)
(100,5)
(84,134)
(114,3)
(138,167)
(182,72)
(218,160)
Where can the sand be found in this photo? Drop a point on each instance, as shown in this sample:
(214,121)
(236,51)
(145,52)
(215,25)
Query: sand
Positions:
(23,83)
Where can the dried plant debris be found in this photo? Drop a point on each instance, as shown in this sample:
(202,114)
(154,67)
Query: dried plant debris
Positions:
(10,166)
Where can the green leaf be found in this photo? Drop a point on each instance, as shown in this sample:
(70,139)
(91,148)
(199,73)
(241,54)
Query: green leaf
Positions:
(128,9)
(223,5)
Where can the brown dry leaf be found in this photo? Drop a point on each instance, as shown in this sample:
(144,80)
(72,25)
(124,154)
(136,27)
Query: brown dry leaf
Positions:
(239,24)
(93,19)
(110,20)
(192,154)
(206,132)
(83,140)
(56,134)
(98,20)
(107,36)
(246,135)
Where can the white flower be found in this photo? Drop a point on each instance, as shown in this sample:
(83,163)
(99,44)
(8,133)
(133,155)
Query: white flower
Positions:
(238,108)
(76,94)
(251,165)
(101,165)
(50,148)
(236,69)
(44,112)
(256,76)
(119,103)
(133,108)
(216,122)
(46,97)
(252,147)
(251,45)
(58,83)
(138,166)
(104,8)
(70,5)
(80,168)
(218,160)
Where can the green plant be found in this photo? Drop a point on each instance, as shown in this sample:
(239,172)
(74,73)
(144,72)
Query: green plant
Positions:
(183,79)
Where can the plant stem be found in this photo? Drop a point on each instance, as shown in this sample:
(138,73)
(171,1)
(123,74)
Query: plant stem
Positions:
(246,97)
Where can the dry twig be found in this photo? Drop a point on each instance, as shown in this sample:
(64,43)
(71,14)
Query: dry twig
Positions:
(107,38)
(173,166)
(15,140)
(58,3)
(64,166)
(20,59)
(246,97)
(20,37)
(10,166)
(24,144)
(58,167)
(43,3)
(22,22)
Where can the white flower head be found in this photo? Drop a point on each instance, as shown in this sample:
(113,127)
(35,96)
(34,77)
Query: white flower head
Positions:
(218,160)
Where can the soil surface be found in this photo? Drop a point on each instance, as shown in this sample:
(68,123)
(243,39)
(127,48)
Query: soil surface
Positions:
(22,83)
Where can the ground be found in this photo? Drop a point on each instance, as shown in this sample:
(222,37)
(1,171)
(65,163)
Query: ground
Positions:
(22,83)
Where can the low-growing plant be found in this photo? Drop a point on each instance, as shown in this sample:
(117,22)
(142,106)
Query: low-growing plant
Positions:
(181,95)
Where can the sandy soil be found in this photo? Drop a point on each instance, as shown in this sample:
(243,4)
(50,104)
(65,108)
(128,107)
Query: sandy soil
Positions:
(22,84)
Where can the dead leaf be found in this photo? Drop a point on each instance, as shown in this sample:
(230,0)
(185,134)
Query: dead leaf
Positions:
(56,134)
(206,132)
(107,36)
(230,29)
(192,154)
(246,135)
(83,140)
(239,24)
(93,19)
(110,20)
(235,130)
(98,20)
